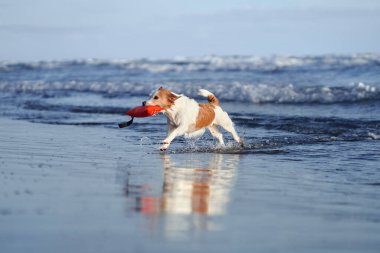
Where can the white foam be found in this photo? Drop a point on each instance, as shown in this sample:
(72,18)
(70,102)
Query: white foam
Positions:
(264,93)
(374,136)
(254,93)
(212,63)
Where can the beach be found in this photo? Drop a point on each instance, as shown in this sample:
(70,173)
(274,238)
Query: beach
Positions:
(306,180)
(85,189)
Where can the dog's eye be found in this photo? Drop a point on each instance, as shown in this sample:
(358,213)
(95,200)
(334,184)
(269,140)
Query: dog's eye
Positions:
(155,97)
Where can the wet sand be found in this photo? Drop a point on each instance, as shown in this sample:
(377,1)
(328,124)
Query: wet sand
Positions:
(95,189)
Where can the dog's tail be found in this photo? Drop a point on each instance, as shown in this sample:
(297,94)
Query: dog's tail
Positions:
(210,97)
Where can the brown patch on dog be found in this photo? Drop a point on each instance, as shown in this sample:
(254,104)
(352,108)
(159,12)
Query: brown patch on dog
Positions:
(212,99)
(166,98)
(205,116)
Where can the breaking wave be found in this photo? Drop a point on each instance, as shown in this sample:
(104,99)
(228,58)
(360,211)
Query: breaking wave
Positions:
(238,92)
(210,63)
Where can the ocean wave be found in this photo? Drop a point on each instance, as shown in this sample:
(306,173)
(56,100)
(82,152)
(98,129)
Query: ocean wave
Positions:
(290,94)
(99,87)
(238,92)
(295,130)
(209,63)
(43,106)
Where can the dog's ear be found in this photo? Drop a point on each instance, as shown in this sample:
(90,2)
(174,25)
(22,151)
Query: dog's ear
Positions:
(172,97)
(161,88)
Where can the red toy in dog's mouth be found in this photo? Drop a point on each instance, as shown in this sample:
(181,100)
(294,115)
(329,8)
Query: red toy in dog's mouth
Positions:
(141,112)
(144,111)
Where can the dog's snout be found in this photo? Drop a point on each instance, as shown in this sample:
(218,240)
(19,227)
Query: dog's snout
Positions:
(144,103)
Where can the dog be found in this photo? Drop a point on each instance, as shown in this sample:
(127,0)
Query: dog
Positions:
(187,117)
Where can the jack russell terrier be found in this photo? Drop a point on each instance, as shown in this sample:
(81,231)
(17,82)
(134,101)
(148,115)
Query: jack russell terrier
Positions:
(187,117)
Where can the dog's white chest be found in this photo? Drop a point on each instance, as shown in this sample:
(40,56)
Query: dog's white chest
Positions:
(173,119)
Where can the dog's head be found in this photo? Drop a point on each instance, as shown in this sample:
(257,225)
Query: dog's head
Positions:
(163,98)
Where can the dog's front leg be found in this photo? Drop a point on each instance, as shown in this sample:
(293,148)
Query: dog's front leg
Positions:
(172,133)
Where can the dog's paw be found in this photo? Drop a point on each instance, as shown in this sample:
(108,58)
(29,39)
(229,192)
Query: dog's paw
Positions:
(165,146)
(162,148)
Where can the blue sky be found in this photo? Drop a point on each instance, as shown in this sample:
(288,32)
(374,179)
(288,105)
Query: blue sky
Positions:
(77,29)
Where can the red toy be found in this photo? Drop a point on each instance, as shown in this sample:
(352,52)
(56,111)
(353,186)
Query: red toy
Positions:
(140,112)
(144,111)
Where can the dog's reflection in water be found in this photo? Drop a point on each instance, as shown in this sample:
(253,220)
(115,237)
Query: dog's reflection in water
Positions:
(192,190)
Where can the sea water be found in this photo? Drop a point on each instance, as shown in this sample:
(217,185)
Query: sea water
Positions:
(307,177)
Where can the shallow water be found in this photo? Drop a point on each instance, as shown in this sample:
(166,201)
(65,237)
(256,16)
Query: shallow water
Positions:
(75,188)
(307,178)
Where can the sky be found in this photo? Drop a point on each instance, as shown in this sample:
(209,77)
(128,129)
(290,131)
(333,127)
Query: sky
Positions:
(126,29)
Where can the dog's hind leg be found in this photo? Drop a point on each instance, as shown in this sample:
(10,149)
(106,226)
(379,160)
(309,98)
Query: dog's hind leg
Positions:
(230,128)
(215,132)
(222,119)
(228,125)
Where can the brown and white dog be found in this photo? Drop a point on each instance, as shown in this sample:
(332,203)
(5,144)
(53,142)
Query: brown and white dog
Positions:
(186,117)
